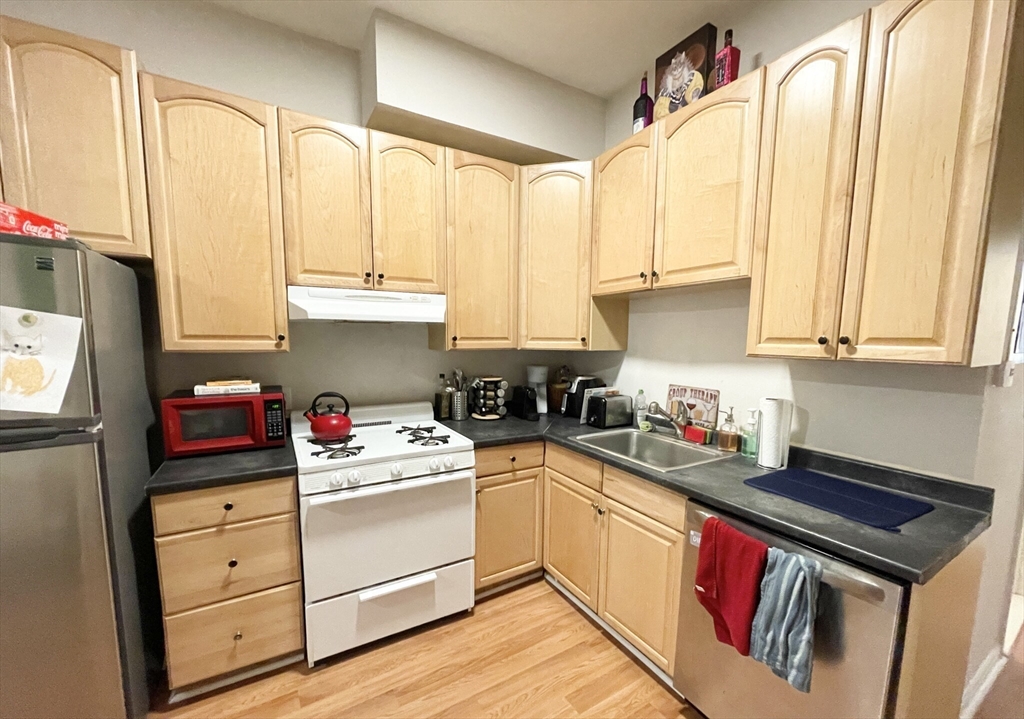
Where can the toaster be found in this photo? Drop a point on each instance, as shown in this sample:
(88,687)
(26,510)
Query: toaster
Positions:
(572,400)
(614,411)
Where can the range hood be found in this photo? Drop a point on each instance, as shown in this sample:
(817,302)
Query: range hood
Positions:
(339,305)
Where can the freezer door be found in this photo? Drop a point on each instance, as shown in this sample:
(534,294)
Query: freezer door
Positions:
(58,635)
(47,277)
(855,640)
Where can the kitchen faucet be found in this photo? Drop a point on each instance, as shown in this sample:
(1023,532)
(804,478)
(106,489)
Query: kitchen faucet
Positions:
(678,422)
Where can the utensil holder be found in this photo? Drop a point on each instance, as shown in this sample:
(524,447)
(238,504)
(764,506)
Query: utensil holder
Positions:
(460,405)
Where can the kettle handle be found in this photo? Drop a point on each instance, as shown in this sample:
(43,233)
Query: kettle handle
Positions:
(316,401)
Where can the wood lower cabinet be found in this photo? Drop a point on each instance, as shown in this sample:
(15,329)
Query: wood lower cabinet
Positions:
(932,91)
(641,567)
(483,252)
(325,182)
(804,195)
(624,199)
(70,135)
(707,177)
(407,188)
(230,590)
(509,522)
(215,197)
(572,535)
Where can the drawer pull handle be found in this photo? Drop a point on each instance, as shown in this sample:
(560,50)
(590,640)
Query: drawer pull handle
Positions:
(399,586)
(228,507)
(512,458)
(238,635)
(233,563)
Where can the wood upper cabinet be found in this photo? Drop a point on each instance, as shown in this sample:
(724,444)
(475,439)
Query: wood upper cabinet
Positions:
(641,568)
(483,252)
(325,182)
(932,92)
(408,209)
(624,197)
(707,177)
(554,260)
(572,535)
(509,525)
(803,197)
(215,196)
(70,135)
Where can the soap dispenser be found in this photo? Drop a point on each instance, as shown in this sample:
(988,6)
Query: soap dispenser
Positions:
(750,435)
(729,434)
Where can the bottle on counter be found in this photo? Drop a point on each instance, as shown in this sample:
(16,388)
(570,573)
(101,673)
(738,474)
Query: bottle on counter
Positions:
(639,409)
(643,108)
(727,62)
(750,435)
(442,399)
(729,434)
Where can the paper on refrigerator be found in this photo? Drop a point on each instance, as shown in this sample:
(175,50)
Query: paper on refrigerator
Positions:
(37,356)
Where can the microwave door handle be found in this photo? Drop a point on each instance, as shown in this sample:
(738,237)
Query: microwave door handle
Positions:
(837,577)
(386,488)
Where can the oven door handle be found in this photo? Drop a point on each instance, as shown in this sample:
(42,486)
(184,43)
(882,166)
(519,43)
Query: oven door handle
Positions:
(396,587)
(388,488)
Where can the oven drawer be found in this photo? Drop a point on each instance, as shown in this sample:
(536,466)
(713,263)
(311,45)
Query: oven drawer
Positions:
(211,565)
(357,538)
(363,616)
(509,458)
(182,511)
(224,637)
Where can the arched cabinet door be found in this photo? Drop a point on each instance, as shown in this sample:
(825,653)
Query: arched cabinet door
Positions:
(70,135)
(407,186)
(325,182)
(624,184)
(804,195)
(483,252)
(707,179)
(215,195)
(932,89)
(554,260)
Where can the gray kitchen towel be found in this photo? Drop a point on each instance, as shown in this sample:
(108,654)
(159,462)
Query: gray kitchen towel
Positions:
(782,635)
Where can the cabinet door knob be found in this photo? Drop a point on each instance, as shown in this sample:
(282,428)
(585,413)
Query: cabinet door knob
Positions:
(823,340)
(654,274)
(595,505)
(844,340)
(369,275)
(238,635)
(583,340)
(380,275)
(454,338)
(512,458)
(280,338)
(233,563)
(228,507)
(643,275)
(600,512)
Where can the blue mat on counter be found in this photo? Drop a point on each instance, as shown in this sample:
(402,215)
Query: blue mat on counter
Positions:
(867,505)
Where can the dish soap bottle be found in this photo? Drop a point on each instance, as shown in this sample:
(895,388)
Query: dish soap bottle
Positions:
(640,409)
(729,434)
(750,435)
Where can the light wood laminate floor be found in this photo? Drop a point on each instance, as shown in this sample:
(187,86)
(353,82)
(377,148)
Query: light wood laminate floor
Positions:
(525,653)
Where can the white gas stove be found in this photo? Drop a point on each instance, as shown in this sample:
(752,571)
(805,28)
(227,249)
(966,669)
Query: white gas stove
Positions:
(388,526)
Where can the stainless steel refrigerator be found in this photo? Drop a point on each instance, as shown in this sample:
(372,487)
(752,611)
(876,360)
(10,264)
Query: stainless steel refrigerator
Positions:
(72,496)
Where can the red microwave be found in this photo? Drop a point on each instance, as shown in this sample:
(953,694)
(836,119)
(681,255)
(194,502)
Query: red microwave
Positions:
(222,423)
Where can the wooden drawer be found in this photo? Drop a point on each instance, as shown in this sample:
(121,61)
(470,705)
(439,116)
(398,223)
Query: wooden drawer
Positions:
(183,511)
(211,565)
(231,635)
(656,502)
(509,458)
(574,466)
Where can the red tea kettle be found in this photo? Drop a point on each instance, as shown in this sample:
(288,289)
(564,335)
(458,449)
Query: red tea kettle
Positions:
(331,423)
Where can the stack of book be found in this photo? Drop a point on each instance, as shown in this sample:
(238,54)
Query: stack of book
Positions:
(227,386)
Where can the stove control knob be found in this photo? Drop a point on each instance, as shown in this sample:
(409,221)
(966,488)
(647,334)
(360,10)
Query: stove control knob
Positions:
(434,464)
(449,463)
(336,479)
(355,477)
(396,469)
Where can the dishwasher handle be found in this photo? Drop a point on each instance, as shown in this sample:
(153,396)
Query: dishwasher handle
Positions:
(833,573)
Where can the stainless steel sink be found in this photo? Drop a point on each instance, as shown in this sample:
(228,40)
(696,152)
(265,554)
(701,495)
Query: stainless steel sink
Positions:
(651,450)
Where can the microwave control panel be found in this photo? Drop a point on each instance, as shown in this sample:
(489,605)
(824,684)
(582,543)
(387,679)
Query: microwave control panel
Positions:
(273,412)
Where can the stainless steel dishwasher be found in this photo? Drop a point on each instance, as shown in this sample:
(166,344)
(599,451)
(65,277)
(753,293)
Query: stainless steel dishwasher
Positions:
(855,638)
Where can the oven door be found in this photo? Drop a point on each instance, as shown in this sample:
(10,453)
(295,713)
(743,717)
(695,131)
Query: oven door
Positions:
(356,538)
(213,425)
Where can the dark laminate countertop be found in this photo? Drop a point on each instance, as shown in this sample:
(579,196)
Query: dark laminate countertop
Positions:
(214,470)
(923,546)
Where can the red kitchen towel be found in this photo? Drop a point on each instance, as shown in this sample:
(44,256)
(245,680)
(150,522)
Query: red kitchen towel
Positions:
(730,567)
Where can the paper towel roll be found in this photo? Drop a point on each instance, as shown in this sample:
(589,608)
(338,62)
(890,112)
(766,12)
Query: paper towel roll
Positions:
(537,377)
(773,432)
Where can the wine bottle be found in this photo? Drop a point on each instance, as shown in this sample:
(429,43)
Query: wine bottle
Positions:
(727,62)
(643,108)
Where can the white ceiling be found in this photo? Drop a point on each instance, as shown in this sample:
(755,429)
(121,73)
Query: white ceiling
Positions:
(595,45)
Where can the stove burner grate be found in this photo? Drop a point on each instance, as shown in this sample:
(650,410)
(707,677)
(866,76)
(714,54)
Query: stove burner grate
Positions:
(336,448)
(424,436)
